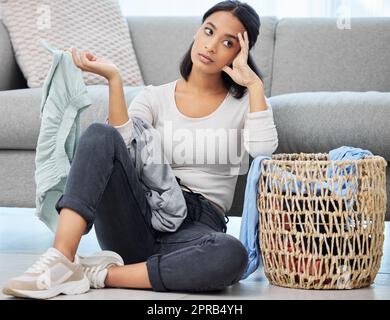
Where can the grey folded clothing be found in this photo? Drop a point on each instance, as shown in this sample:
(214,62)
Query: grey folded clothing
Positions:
(163,193)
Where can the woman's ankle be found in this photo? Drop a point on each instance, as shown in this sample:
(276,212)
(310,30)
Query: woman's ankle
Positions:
(65,251)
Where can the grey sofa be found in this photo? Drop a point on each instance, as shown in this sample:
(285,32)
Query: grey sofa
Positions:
(328,88)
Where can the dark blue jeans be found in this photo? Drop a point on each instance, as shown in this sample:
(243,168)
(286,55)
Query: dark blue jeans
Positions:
(103,187)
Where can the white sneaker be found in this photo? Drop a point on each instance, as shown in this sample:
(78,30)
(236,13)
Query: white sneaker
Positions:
(96,266)
(51,275)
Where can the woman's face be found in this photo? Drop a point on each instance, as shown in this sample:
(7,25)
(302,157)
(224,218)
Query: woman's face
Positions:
(212,40)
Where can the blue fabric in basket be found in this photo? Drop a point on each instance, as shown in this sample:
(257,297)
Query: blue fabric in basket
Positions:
(250,215)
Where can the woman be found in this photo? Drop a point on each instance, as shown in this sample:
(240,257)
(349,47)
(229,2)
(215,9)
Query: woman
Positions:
(220,88)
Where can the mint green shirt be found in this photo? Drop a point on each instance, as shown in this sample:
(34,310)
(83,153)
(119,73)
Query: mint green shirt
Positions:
(64,97)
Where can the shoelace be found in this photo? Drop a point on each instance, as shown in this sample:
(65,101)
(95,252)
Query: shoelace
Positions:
(42,264)
(92,274)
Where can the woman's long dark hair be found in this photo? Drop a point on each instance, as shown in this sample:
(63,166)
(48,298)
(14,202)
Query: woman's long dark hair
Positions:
(251,21)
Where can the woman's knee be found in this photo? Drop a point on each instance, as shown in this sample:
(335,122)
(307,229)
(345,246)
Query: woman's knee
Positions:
(97,129)
(99,134)
(233,255)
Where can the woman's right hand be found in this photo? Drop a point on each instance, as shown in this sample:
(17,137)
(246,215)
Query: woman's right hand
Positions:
(87,61)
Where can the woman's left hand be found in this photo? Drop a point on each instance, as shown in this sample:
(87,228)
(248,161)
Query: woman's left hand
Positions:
(241,72)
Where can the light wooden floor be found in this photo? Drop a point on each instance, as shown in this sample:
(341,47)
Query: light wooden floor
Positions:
(23,238)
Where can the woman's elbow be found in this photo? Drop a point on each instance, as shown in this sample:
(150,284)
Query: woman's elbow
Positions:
(262,148)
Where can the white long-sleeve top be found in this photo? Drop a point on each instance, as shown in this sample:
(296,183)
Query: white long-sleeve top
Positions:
(206,153)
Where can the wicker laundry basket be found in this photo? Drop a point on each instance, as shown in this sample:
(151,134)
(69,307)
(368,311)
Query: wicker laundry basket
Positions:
(321,223)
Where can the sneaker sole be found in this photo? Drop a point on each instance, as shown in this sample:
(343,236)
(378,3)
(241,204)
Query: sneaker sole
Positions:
(97,257)
(73,287)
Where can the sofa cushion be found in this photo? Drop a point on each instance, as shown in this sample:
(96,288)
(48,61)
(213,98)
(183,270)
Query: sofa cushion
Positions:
(97,26)
(322,121)
(10,75)
(20,128)
(312,54)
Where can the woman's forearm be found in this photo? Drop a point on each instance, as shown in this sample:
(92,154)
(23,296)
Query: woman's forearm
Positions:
(256,97)
(117,113)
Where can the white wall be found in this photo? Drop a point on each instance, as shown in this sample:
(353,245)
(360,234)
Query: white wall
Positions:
(279,8)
